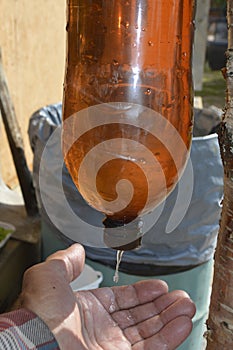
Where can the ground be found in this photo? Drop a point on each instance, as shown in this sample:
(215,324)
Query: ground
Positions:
(214,88)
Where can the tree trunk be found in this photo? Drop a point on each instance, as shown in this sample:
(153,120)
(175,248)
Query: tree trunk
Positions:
(220,322)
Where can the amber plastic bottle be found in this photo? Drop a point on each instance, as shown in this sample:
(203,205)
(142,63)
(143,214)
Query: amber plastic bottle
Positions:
(127,104)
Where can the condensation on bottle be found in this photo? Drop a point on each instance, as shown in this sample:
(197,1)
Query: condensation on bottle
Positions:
(127,107)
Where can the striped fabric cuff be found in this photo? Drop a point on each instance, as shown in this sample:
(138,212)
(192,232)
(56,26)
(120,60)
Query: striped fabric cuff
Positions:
(23,330)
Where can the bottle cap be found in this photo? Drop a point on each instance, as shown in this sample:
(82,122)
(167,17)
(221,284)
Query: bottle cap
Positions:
(121,236)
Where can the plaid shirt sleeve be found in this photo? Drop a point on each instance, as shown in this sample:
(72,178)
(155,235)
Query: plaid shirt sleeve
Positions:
(23,330)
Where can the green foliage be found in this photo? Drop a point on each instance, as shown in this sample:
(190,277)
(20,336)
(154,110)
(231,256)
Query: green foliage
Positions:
(4,232)
(214,88)
(218,3)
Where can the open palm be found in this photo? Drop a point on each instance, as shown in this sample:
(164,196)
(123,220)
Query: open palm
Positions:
(142,316)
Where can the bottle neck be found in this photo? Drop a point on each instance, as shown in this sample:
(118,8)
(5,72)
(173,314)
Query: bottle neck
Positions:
(121,236)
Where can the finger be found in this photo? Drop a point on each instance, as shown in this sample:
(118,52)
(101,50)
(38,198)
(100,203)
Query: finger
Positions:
(169,337)
(125,297)
(146,329)
(126,318)
(69,262)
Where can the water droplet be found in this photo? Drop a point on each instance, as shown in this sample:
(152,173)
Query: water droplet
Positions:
(150,43)
(134,44)
(115,63)
(148,92)
(125,24)
(140,225)
(142,160)
(143,29)
(136,26)
(112,308)
(184,54)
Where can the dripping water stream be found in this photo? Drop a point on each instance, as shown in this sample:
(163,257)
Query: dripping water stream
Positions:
(119,257)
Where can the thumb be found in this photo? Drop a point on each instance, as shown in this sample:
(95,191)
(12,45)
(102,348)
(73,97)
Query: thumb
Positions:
(71,261)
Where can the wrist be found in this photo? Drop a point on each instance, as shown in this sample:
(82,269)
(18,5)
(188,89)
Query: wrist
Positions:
(23,324)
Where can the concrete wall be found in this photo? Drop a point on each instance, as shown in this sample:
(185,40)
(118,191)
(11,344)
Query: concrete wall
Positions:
(32,39)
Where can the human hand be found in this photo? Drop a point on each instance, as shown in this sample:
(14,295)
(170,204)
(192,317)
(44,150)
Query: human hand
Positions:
(140,316)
